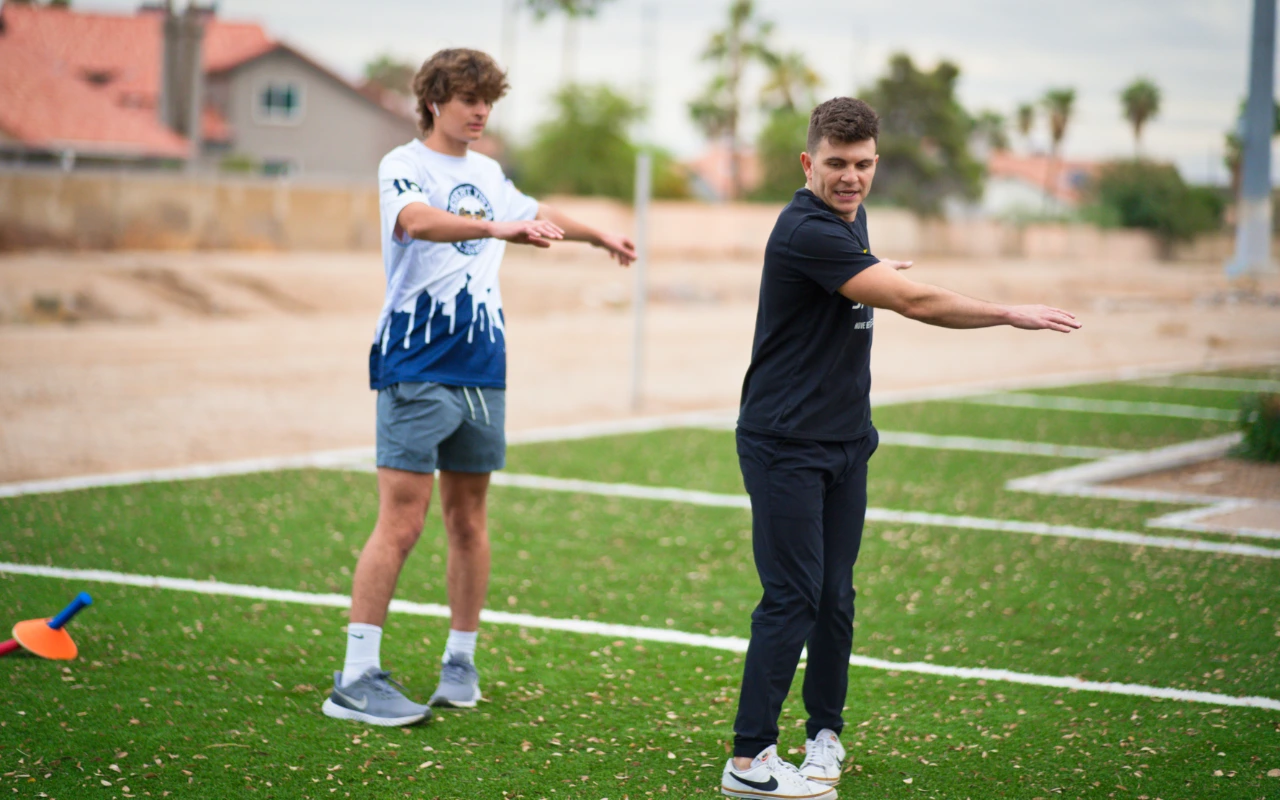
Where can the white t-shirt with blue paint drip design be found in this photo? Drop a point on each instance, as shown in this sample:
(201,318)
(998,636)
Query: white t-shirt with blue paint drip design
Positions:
(442,318)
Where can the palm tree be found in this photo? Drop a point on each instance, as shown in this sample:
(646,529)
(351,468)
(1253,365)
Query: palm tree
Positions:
(1140,101)
(1057,103)
(718,110)
(988,126)
(1026,118)
(791,81)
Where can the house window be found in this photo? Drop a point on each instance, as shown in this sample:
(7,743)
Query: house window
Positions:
(280,167)
(280,102)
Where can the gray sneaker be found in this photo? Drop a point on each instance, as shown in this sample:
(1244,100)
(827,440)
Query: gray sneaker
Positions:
(459,684)
(374,699)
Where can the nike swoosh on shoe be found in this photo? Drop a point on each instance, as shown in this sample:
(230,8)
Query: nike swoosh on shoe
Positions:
(359,705)
(764,786)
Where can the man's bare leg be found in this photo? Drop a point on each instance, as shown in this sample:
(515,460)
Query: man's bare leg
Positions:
(466,523)
(403,498)
(463,499)
(362,692)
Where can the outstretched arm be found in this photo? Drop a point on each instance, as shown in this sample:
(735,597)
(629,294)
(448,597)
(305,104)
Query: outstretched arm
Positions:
(881,286)
(421,221)
(620,247)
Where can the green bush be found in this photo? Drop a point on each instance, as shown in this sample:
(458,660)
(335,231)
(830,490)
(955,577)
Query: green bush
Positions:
(779,145)
(1144,194)
(585,149)
(1260,423)
(238,163)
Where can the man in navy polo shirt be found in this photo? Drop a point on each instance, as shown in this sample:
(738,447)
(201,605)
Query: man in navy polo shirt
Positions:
(804,438)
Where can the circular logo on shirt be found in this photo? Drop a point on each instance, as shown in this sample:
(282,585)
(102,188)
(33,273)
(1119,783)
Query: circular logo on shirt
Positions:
(467,201)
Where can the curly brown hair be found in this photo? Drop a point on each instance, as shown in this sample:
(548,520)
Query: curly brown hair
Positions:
(842,120)
(454,71)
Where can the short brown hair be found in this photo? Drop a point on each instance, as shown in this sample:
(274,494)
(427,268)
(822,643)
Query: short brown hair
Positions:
(842,120)
(454,71)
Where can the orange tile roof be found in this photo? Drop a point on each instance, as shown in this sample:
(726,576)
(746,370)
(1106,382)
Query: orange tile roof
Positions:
(93,80)
(1034,169)
(712,167)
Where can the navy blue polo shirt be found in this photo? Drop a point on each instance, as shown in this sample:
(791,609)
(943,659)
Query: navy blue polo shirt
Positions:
(810,373)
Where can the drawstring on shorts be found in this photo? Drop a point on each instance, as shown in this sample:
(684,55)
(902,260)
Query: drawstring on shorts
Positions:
(483,404)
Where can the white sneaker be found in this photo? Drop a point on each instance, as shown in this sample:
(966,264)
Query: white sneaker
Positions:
(771,777)
(822,758)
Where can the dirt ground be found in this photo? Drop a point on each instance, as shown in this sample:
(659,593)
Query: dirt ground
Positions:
(1221,477)
(1226,478)
(121,361)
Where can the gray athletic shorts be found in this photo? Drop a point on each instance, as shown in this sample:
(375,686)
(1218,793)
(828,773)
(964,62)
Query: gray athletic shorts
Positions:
(423,427)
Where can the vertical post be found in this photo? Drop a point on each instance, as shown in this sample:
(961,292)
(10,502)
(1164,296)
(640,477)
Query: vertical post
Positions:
(644,190)
(510,25)
(1253,209)
(193,55)
(644,171)
(170,33)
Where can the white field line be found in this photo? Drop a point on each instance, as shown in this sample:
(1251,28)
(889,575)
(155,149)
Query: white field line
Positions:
(1056,403)
(709,419)
(1192,520)
(589,430)
(897,438)
(672,495)
(963,390)
(362,457)
(1071,532)
(732,644)
(1213,383)
(1083,480)
(628,490)
(328,458)
(979,445)
(727,418)
(1080,480)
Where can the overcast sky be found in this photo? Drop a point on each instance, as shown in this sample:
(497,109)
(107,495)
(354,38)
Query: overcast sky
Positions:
(1009,51)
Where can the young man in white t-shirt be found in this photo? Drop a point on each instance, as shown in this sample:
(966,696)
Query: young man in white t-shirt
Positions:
(438,362)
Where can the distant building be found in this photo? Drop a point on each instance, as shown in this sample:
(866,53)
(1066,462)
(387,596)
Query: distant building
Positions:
(88,88)
(1033,184)
(709,173)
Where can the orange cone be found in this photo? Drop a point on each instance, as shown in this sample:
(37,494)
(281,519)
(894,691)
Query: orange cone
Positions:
(45,637)
(36,636)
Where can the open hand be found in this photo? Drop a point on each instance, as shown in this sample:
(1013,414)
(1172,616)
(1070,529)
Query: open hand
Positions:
(1038,318)
(536,232)
(620,247)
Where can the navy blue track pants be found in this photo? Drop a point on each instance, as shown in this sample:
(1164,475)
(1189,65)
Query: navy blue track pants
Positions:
(808,503)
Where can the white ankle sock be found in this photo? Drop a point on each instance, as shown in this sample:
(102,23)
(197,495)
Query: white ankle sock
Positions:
(461,644)
(364,643)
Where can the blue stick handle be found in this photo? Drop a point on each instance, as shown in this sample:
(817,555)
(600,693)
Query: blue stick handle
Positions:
(83,599)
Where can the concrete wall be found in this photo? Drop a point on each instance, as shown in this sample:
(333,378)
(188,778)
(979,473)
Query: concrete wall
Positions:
(172,211)
(120,211)
(337,134)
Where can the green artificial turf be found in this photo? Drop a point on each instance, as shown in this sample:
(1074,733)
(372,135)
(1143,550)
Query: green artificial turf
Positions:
(177,694)
(953,482)
(1140,393)
(1105,611)
(1267,373)
(183,695)
(1045,426)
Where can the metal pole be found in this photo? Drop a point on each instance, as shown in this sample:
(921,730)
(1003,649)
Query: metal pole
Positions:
(1253,210)
(644,190)
(193,53)
(510,26)
(644,172)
